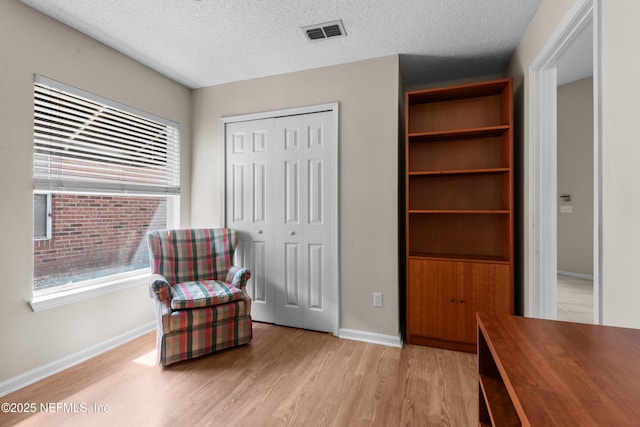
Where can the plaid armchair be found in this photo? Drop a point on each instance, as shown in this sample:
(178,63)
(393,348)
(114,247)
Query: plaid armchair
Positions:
(201,300)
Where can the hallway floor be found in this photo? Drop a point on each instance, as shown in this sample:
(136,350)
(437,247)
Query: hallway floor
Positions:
(575,299)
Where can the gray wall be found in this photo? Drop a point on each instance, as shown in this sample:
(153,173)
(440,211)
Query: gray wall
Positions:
(575,177)
(367,92)
(32,43)
(620,89)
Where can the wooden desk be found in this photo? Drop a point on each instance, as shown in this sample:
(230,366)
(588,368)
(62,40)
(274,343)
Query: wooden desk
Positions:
(547,373)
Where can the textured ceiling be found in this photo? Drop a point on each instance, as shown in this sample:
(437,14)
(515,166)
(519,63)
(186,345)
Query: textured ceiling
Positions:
(207,42)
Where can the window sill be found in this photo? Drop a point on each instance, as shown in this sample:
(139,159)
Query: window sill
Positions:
(47,300)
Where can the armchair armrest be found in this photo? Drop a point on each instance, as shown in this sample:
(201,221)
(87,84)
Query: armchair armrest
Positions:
(238,276)
(159,287)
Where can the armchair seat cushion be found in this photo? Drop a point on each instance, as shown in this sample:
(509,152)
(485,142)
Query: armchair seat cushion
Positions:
(203,293)
(179,320)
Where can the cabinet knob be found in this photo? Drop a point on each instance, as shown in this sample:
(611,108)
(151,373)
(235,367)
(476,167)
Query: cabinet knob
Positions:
(453,300)
(259,231)
(291,233)
(461,301)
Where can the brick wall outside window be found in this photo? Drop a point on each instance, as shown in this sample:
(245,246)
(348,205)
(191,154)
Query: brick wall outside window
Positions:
(93,236)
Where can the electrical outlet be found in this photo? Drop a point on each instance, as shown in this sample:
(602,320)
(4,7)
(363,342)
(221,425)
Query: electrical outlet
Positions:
(377,299)
(566,209)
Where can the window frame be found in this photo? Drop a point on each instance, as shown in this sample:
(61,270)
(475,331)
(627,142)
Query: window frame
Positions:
(56,296)
(47,219)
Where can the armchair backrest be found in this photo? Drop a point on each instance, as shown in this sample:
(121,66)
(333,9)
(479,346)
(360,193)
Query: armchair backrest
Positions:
(192,254)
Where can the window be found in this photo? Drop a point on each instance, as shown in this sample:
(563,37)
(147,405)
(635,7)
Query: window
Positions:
(104,174)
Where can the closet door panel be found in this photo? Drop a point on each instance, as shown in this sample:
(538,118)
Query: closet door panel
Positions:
(259,193)
(291,275)
(320,169)
(291,192)
(289,227)
(315,278)
(249,152)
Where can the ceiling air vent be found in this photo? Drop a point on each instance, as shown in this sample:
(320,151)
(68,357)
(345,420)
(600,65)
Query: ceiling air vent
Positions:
(324,31)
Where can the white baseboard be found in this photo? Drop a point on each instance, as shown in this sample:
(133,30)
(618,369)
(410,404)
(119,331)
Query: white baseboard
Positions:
(28,378)
(576,275)
(388,340)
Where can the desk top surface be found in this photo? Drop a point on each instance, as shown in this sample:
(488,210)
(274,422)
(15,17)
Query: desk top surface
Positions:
(564,374)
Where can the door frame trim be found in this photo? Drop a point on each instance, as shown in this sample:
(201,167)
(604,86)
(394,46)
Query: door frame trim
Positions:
(542,187)
(333,107)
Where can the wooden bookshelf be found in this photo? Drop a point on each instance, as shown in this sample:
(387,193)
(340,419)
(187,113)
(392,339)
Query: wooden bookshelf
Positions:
(459,209)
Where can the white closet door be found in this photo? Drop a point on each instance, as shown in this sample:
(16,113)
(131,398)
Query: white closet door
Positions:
(250,149)
(303,221)
(280,175)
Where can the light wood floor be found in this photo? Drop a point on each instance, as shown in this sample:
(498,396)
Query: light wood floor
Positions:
(574,299)
(285,377)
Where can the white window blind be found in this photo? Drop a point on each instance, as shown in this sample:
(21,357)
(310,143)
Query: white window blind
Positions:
(85,143)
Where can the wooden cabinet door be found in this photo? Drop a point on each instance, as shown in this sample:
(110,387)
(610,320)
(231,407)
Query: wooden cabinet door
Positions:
(444,296)
(432,311)
(482,288)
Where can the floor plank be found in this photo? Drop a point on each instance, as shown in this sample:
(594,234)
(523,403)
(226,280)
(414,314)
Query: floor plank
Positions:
(285,377)
(574,299)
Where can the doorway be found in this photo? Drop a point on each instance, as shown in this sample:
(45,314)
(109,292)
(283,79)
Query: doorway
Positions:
(575,195)
(578,29)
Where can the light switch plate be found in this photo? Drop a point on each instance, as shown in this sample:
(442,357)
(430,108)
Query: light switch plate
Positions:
(377,299)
